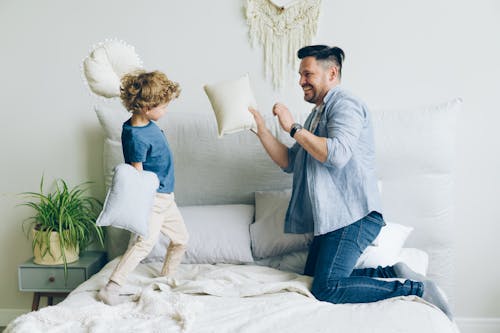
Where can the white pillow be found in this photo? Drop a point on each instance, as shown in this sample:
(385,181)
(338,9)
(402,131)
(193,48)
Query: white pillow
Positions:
(129,201)
(106,64)
(393,234)
(111,118)
(375,256)
(267,233)
(230,101)
(389,243)
(217,234)
(416,259)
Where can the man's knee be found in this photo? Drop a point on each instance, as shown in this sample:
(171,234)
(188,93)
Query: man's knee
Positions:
(327,291)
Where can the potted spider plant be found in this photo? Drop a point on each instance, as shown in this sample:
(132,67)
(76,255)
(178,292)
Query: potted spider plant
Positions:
(63,223)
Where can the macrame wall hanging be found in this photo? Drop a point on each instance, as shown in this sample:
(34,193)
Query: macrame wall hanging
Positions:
(281,27)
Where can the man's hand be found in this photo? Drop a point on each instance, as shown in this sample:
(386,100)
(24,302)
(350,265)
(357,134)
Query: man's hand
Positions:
(261,125)
(284,116)
(275,149)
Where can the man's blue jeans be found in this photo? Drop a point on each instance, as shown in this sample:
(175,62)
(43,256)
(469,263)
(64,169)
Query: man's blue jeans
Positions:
(332,258)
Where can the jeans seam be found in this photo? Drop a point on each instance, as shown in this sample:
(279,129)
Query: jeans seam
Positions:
(371,286)
(360,232)
(335,258)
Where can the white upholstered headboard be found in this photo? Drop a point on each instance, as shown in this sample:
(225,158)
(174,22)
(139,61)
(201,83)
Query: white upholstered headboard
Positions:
(416,159)
(415,156)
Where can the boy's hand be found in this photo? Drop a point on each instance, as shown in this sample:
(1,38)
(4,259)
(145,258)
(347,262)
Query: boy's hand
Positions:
(137,165)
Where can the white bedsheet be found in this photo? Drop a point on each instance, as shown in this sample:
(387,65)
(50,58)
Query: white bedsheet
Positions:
(225,298)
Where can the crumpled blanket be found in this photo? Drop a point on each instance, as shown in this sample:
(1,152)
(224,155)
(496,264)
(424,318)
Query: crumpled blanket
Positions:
(224,298)
(163,305)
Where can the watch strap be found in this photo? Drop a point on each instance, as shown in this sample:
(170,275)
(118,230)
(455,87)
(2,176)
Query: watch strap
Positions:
(295,128)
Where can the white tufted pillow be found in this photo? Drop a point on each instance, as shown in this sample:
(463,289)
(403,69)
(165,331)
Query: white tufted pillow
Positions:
(230,101)
(106,64)
(129,201)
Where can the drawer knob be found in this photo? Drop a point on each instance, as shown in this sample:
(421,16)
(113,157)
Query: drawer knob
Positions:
(52,279)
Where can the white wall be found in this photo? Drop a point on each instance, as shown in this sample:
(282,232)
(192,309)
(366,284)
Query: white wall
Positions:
(399,54)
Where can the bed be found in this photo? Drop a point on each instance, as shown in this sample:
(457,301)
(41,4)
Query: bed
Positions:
(241,273)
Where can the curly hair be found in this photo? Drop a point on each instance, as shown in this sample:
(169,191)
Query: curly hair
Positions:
(141,90)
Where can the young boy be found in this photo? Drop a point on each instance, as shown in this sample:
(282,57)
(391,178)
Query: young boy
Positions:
(146,95)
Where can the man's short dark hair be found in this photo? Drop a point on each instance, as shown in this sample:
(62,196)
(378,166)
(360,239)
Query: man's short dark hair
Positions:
(323,52)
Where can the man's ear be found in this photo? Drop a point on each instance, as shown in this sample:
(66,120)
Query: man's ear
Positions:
(333,73)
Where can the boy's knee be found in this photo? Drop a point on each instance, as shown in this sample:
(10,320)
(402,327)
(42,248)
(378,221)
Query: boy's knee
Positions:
(182,240)
(144,245)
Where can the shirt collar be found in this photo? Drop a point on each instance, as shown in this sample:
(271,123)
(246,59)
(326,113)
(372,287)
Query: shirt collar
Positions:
(330,93)
(319,108)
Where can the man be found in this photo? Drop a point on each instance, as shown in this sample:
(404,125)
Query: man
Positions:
(334,190)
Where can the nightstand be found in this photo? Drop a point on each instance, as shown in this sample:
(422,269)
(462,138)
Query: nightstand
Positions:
(49,281)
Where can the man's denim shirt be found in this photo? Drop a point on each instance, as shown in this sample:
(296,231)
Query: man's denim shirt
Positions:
(331,195)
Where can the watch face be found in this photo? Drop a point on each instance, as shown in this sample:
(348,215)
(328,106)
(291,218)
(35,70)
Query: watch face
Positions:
(295,127)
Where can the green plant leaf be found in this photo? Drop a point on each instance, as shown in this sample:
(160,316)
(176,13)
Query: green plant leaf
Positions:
(68,211)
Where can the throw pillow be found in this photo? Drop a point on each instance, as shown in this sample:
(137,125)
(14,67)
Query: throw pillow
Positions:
(267,233)
(393,234)
(217,234)
(230,101)
(111,117)
(129,201)
(106,64)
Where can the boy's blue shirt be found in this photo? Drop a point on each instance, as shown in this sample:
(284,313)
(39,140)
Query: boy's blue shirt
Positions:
(148,144)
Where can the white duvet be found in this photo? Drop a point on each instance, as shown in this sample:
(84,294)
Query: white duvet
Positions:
(225,298)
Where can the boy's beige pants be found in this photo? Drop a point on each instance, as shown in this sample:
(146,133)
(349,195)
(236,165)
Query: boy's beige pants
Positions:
(167,219)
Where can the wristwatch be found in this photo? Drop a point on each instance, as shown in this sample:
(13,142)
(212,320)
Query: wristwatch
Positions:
(295,128)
